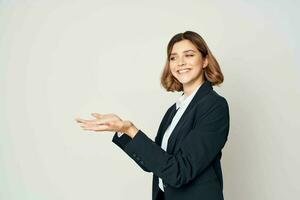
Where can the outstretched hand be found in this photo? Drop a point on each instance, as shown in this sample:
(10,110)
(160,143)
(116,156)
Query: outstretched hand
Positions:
(108,122)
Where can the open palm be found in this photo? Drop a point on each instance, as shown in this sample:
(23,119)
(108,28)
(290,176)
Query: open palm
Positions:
(104,122)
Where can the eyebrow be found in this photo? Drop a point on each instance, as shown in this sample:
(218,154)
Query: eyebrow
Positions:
(183,52)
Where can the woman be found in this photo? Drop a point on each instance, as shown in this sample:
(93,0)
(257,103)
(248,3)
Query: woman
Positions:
(185,157)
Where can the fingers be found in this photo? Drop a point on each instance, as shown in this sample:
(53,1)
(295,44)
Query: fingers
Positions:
(103,122)
(86,121)
(79,120)
(93,122)
(98,116)
(110,115)
(94,125)
(96,128)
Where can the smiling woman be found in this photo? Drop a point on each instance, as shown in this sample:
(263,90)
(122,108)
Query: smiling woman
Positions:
(185,156)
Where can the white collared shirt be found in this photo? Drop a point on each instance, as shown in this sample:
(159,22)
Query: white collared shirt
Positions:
(181,104)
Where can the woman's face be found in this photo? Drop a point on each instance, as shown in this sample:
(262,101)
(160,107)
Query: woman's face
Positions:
(187,63)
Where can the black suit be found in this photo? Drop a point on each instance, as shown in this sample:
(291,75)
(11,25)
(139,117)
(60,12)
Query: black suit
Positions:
(190,169)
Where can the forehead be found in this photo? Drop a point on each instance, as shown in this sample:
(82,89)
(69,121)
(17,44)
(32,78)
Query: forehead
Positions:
(183,46)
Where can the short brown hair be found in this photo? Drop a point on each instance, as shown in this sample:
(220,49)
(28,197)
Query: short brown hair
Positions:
(212,72)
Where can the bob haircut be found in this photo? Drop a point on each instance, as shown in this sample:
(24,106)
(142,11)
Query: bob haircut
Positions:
(212,72)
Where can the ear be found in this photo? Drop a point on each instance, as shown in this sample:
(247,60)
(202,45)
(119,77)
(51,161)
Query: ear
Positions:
(205,62)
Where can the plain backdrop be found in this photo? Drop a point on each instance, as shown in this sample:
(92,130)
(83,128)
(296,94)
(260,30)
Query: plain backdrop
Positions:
(63,59)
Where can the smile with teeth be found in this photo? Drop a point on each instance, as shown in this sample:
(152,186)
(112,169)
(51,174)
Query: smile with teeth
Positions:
(183,71)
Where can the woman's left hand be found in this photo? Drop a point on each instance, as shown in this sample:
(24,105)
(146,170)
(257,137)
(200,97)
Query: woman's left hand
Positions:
(108,122)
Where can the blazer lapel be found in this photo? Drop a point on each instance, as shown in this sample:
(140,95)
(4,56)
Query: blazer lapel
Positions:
(202,91)
(165,124)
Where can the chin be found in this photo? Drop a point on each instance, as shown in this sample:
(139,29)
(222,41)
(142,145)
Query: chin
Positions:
(184,82)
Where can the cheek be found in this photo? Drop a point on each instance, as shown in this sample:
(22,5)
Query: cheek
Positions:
(198,65)
(195,62)
(172,68)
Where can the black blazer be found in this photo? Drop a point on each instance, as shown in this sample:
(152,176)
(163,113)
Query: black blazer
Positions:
(191,168)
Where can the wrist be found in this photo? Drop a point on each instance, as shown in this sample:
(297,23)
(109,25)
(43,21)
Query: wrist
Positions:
(131,131)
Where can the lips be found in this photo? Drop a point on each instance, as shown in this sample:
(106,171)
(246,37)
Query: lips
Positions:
(182,71)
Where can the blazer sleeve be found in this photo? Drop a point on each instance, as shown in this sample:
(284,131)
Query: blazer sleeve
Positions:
(196,151)
(122,141)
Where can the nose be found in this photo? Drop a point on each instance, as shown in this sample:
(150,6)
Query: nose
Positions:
(181,61)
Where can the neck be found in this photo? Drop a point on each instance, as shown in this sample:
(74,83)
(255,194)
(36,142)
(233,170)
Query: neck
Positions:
(189,89)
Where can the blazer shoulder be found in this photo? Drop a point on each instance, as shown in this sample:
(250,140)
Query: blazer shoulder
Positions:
(212,101)
(213,98)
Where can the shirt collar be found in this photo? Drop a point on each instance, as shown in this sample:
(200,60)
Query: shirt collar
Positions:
(185,100)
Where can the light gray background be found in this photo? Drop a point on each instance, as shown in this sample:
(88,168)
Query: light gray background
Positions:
(64,59)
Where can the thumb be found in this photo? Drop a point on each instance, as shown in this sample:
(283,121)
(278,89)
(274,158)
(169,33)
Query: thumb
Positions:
(96,115)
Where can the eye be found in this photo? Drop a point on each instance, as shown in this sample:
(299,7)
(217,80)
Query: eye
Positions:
(172,58)
(190,55)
